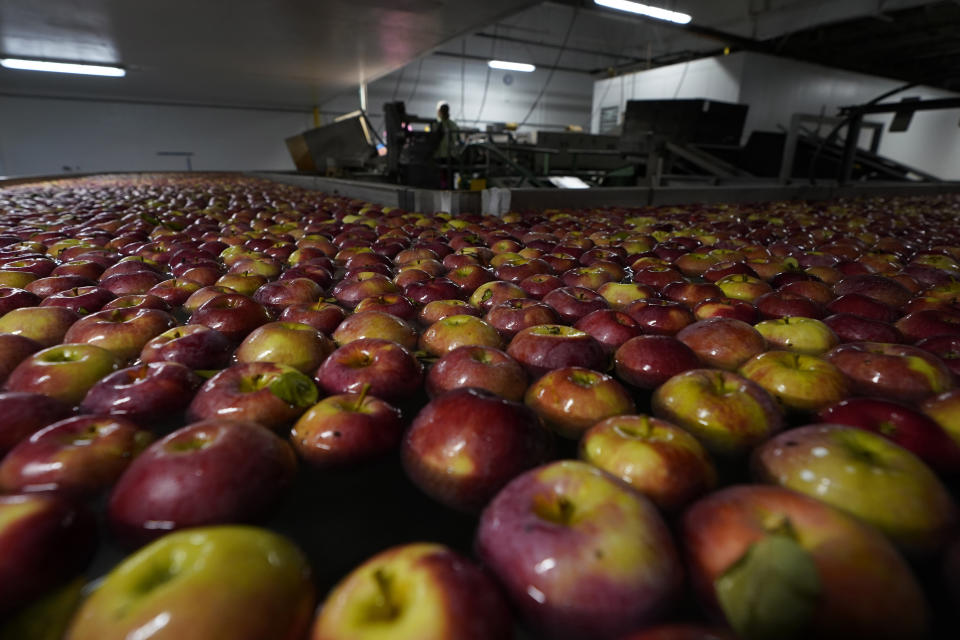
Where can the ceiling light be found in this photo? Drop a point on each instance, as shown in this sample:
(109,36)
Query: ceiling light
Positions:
(645,10)
(511,66)
(62,67)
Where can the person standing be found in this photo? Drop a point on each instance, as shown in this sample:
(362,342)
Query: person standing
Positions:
(447,146)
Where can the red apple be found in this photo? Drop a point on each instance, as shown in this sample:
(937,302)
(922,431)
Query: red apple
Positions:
(865,475)
(722,343)
(726,412)
(201,475)
(273,395)
(146,393)
(895,371)
(799,382)
(64,372)
(293,344)
(375,325)
(649,361)
(346,429)
(579,553)
(231,314)
(774,563)
(45,325)
(123,332)
(454,599)
(44,540)
(545,347)
(390,369)
(467,443)
(78,456)
(658,459)
(193,345)
(901,424)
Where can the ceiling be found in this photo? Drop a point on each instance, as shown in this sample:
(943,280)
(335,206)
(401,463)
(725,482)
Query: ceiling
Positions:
(296,54)
(291,53)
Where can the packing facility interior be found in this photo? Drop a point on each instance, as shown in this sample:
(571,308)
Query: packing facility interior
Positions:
(749,93)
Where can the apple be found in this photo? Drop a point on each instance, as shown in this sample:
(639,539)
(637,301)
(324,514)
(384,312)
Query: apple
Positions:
(82,300)
(774,563)
(12,298)
(798,334)
(123,284)
(947,348)
(572,399)
(880,288)
(865,475)
(45,540)
(64,372)
(349,292)
(262,581)
(389,368)
(466,444)
(658,459)
(608,327)
(458,331)
(123,332)
(201,475)
(578,553)
(45,287)
(146,393)
(849,327)
(413,592)
(79,456)
(45,325)
(908,427)
(928,323)
(945,410)
(573,303)
(232,314)
(245,284)
(861,305)
(799,382)
(392,303)
(271,394)
(546,347)
(782,304)
(690,293)
(896,371)
(293,344)
(722,343)
(490,294)
(345,429)
(726,308)
(14,349)
(322,316)
(15,279)
(440,309)
(204,294)
(375,325)
(280,294)
(726,412)
(647,362)
(175,291)
(660,317)
(480,367)
(193,345)
(512,316)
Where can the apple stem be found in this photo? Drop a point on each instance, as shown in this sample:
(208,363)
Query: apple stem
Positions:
(363,396)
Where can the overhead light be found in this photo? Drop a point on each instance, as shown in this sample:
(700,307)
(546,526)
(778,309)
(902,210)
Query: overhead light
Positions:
(62,67)
(511,66)
(645,10)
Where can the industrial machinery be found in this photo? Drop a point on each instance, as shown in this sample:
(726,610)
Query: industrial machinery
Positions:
(663,142)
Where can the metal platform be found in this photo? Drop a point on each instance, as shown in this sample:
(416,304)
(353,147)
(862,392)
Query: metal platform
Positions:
(497,202)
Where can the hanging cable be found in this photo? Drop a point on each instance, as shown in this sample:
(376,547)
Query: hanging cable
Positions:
(486,82)
(553,68)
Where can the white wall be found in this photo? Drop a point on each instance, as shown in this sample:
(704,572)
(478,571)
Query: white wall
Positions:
(42,136)
(775,88)
(711,78)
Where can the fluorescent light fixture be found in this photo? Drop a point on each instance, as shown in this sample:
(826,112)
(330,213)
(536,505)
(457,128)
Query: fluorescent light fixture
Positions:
(511,66)
(645,10)
(62,67)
